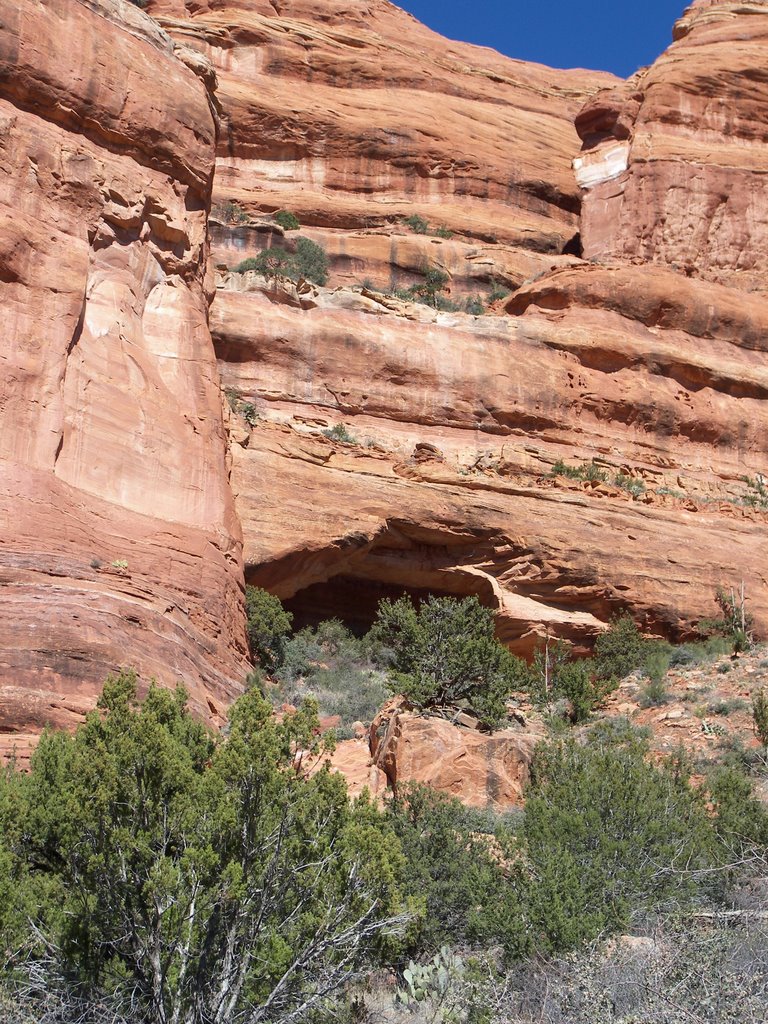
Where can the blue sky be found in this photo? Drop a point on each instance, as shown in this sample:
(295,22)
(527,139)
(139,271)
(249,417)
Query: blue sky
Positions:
(605,35)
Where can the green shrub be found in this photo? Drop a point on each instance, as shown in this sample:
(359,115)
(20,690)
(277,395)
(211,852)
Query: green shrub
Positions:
(269,626)
(450,868)
(608,834)
(587,471)
(417,224)
(271,263)
(696,653)
(620,650)
(338,671)
(497,293)
(555,676)
(311,261)
(173,869)
(593,472)
(339,432)
(760,715)
(654,694)
(445,654)
(287,220)
(434,282)
(474,306)
(443,232)
(735,623)
(741,820)
(229,211)
(628,483)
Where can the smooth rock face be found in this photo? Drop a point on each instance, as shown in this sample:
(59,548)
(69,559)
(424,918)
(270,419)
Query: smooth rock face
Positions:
(479,769)
(119,545)
(676,159)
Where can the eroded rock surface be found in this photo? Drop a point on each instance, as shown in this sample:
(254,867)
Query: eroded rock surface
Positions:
(356,116)
(482,770)
(457,423)
(119,544)
(675,159)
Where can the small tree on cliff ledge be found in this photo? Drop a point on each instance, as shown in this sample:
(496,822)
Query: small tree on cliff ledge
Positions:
(444,654)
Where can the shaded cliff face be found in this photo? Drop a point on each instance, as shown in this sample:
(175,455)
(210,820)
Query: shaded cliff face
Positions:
(675,160)
(118,539)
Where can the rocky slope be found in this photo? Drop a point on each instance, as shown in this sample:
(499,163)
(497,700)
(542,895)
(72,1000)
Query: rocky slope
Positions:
(658,375)
(119,543)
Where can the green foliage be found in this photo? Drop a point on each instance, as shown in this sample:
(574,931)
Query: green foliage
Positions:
(269,626)
(697,653)
(620,650)
(194,878)
(587,471)
(475,306)
(429,290)
(608,835)
(631,484)
(417,224)
(271,263)
(445,654)
(434,983)
(757,492)
(245,409)
(741,820)
(760,715)
(287,220)
(309,262)
(734,623)
(654,693)
(339,432)
(451,869)
(555,676)
(497,293)
(443,232)
(334,668)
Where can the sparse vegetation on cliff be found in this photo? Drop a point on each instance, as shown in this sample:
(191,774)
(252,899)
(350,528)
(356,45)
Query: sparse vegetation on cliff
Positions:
(229,211)
(309,261)
(288,221)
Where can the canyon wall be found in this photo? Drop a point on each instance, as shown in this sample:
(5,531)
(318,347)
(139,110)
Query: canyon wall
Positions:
(459,420)
(630,349)
(119,543)
(355,116)
(675,159)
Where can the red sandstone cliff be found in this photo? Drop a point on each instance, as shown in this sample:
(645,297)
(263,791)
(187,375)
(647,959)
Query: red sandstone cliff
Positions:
(119,544)
(649,358)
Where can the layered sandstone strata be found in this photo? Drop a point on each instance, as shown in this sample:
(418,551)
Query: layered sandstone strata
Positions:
(457,423)
(119,544)
(355,116)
